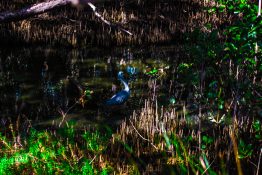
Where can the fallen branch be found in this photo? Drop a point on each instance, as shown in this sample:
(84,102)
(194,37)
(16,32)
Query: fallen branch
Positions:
(32,10)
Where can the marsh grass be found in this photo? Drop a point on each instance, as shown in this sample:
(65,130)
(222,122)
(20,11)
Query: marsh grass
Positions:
(63,151)
(217,138)
(167,138)
(149,21)
(153,140)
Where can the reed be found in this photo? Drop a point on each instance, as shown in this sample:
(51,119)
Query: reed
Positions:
(150,21)
(169,137)
(154,139)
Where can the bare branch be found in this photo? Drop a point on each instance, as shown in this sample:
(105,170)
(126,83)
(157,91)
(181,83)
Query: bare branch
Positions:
(142,136)
(106,21)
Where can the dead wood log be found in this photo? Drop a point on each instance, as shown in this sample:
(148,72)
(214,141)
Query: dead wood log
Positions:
(32,10)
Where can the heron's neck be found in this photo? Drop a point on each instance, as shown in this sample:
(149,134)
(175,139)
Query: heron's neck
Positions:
(125,84)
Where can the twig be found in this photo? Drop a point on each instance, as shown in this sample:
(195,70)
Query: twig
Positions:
(92,159)
(258,93)
(208,166)
(72,20)
(259,161)
(142,136)
(106,21)
(64,114)
(252,163)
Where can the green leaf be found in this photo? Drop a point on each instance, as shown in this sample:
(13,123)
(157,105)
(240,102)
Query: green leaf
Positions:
(221,8)
(88,92)
(241,143)
(208,25)
(220,106)
(252,34)
(87,168)
(238,37)
(212,84)
(152,72)
(240,156)
(212,10)
(241,6)
(258,136)
(243,2)
(172,100)
(231,7)
(257,125)
(233,29)
(104,171)
(207,140)
(251,61)
(233,47)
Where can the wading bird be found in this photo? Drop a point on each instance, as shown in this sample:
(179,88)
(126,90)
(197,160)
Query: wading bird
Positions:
(122,96)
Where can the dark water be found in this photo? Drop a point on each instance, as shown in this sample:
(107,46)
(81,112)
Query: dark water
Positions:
(38,83)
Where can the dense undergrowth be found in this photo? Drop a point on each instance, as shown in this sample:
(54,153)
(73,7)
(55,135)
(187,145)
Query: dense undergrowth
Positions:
(151,141)
(222,136)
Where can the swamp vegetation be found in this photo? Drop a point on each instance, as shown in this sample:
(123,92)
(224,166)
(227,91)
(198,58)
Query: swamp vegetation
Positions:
(194,69)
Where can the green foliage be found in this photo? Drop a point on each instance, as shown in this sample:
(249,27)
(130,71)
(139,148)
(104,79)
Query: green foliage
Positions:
(44,153)
(87,168)
(243,34)
(257,129)
(96,141)
(244,150)
(88,93)
(206,141)
(184,66)
(188,163)
(225,60)
(224,67)
(242,37)
(152,72)
(104,171)
(172,100)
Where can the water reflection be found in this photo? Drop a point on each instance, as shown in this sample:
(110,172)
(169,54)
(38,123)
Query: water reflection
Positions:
(40,83)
